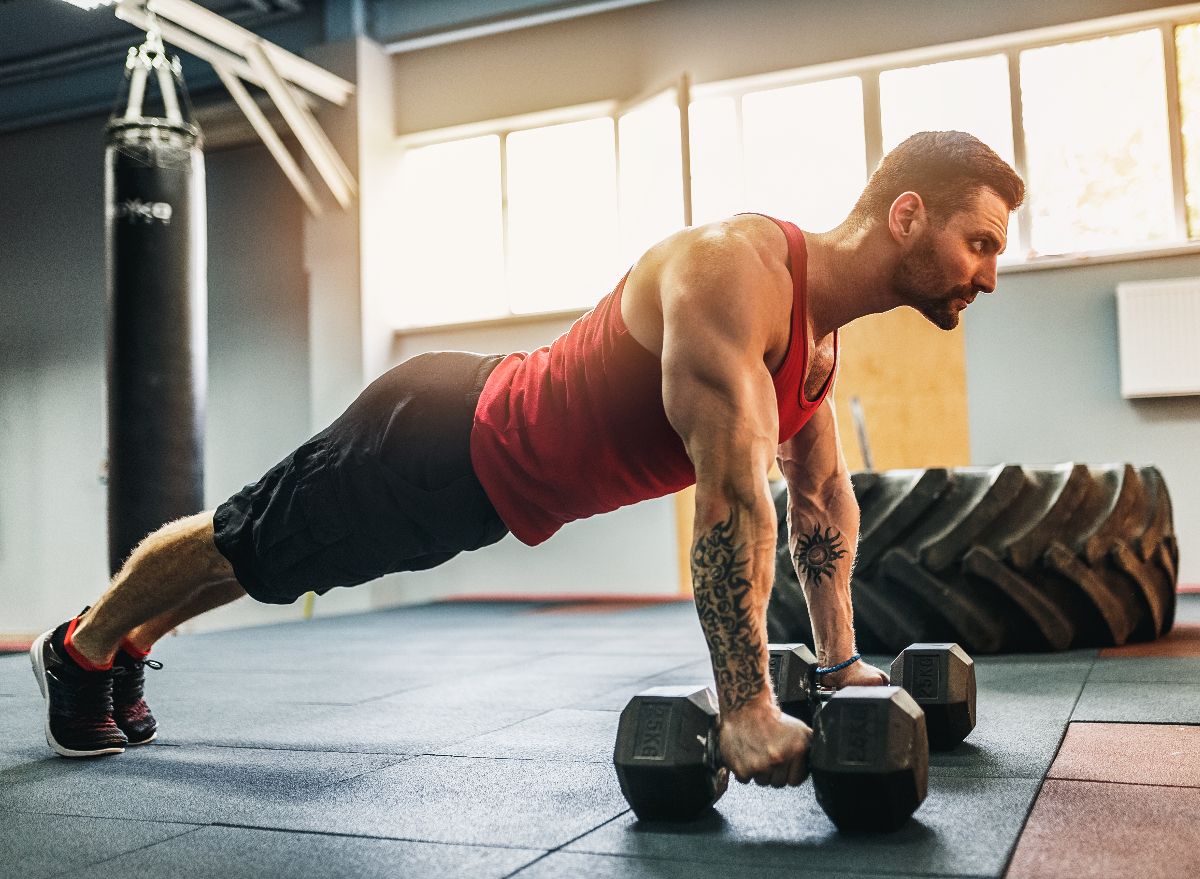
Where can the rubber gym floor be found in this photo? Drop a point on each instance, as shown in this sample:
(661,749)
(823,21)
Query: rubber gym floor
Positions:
(475,740)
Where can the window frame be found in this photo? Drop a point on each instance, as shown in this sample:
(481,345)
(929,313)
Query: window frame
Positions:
(868,69)
(612,109)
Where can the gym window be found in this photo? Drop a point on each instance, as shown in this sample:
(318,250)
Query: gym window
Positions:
(543,213)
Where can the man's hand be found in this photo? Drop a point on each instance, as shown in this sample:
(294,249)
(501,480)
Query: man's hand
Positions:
(858,674)
(761,744)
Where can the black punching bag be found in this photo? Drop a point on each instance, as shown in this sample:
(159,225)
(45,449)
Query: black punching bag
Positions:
(157,304)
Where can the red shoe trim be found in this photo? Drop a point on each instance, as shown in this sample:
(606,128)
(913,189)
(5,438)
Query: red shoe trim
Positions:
(84,662)
(130,648)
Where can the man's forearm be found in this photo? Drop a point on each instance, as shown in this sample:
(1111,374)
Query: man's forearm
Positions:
(728,570)
(822,543)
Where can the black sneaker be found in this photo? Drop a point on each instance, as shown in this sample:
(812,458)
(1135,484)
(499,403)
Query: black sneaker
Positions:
(130,710)
(79,719)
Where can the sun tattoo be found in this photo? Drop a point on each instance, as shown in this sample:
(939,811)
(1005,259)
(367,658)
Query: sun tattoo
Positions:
(816,553)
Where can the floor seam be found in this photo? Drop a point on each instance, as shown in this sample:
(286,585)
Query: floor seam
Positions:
(400,758)
(331,784)
(822,871)
(227,747)
(132,851)
(559,848)
(193,824)
(1195,787)
(341,834)
(1012,852)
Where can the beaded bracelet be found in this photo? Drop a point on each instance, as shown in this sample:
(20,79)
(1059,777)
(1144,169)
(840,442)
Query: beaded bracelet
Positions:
(841,665)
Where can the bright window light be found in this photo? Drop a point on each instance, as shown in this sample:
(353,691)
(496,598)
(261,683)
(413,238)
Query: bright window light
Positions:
(1099,159)
(970,95)
(450,236)
(92,4)
(805,151)
(562,216)
(1187,53)
(651,175)
(718,190)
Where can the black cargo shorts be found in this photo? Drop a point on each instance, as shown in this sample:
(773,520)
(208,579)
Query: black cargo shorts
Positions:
(389,486)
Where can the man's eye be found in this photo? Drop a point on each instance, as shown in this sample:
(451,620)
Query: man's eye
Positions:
(977,245)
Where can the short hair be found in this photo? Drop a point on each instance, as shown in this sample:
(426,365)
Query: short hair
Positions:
(946,168)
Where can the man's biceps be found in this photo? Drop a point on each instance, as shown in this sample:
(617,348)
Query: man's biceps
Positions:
(706,362)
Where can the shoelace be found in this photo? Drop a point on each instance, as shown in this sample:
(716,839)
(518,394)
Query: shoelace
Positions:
(132,682)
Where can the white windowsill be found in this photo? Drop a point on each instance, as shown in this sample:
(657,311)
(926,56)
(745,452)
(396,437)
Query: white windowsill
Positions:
(1101,257)
(508,320)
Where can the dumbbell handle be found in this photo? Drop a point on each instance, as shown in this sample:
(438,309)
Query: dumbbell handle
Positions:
(712,745)
(818,696)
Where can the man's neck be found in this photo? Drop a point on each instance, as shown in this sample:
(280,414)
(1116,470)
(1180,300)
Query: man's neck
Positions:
(849,275)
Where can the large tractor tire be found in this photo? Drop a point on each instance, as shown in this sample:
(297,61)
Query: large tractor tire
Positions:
(1006,559)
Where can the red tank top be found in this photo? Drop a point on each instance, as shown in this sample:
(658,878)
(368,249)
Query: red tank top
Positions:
(578,428)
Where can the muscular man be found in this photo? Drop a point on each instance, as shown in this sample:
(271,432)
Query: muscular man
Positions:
(716,353)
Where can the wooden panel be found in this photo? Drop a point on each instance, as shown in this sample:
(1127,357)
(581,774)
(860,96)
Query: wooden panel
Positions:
(911,379)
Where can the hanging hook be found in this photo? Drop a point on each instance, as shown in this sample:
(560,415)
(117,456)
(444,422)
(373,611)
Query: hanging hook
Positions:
(152,55)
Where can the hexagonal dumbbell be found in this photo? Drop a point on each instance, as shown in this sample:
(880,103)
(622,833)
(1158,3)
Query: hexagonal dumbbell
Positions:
(793,678)
(870,757)
(667,758)
(941,678)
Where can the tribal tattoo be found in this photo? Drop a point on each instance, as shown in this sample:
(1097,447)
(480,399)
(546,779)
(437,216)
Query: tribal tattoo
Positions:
(816,553)
(723,603)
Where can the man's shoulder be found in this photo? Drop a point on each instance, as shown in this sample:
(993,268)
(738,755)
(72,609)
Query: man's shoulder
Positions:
(743,250)
(730,279)
(757,231)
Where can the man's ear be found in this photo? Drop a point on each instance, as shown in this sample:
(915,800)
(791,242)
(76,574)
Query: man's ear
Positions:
(906,216)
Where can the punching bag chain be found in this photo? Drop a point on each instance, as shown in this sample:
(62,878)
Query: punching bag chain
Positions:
(151,57)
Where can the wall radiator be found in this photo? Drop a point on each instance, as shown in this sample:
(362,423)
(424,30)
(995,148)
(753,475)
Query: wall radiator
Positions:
(1159,328)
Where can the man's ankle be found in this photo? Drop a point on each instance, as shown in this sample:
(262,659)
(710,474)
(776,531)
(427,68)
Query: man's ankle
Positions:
(77,646)
(134,648)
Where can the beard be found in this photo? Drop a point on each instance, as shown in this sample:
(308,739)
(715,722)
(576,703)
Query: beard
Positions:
(922,285)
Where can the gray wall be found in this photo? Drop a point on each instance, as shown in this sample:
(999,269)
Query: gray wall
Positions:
(52,538)
(52,503)
(622,53)
(1043,383)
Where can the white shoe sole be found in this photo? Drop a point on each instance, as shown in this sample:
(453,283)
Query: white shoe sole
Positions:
(143,742)
(37,657)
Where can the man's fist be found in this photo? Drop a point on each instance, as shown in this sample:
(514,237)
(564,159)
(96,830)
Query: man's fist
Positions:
(857,674)
(760,744)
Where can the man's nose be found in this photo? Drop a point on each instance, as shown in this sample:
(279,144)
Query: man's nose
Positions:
(985,278)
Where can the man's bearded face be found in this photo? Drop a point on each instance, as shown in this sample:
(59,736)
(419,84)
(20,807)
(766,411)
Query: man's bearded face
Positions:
(922,283)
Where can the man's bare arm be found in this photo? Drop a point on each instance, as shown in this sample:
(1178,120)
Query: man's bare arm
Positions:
(823,533)
(720,319)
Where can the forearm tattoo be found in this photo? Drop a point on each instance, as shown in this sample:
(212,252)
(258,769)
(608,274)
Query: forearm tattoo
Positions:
(723,603)
(817,553)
